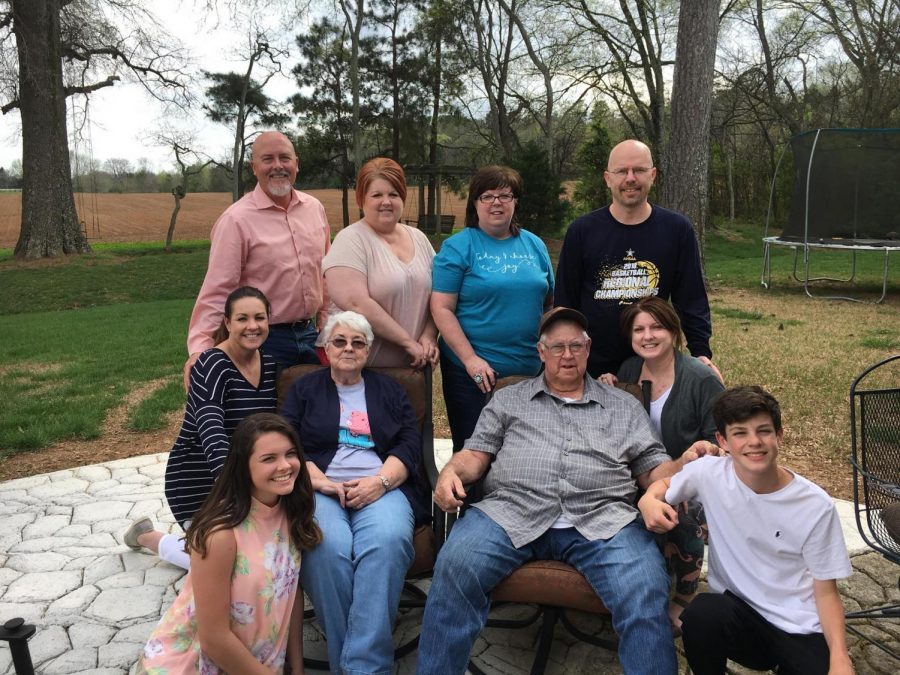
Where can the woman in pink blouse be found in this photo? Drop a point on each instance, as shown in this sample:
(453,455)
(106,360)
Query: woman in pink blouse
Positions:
(381,268)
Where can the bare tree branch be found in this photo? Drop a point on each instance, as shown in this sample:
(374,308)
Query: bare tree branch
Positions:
(87,89)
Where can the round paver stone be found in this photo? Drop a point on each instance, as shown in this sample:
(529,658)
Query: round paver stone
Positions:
(73,602)
(91,634)
(121,604)
(25,483)
(46,561)
(45,526)
(59,488)
(118,654)
(97,511)
(94,473)
(48,643)
(42,586)
(103,568)
(73,661)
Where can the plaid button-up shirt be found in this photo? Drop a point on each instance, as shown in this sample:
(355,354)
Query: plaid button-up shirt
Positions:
(556,458)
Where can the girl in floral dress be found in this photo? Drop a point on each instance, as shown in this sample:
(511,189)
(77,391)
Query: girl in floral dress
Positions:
(236,612)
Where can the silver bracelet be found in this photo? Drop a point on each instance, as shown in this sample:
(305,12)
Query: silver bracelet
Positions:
(384,481)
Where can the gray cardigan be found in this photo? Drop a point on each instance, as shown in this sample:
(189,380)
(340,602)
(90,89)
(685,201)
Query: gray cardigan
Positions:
(687,414)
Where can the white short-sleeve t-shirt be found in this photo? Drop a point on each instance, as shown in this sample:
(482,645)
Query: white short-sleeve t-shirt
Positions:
(766,548)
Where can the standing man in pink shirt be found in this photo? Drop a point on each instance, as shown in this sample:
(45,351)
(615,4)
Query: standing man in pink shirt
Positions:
(274,239)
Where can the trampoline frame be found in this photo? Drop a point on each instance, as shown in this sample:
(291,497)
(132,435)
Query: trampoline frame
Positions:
(807,246)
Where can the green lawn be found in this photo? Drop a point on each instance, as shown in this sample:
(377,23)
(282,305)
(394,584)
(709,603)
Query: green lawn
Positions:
(734,255)
(113,274)
(85,331)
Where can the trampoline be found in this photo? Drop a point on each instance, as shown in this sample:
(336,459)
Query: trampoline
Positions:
(846,198)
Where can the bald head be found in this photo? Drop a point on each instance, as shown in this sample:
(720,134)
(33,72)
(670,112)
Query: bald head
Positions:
(275,164)
(629,176)
(629,151)
(267,139)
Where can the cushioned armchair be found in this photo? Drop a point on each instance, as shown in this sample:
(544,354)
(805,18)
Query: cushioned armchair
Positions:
(553,588)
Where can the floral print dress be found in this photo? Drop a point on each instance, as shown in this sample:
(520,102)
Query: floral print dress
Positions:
(263,587)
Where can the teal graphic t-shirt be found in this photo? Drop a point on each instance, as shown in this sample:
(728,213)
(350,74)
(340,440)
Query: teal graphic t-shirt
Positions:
(501,286)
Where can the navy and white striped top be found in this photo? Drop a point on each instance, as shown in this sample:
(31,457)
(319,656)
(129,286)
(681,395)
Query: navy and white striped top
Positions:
(219,397)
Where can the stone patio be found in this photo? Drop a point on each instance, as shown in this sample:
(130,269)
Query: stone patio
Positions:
(94,602)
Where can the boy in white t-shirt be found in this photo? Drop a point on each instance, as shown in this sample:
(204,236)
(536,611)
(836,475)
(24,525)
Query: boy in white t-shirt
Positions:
(775,550)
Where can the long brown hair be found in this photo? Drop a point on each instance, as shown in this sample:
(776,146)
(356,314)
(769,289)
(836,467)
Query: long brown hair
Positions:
(228,504)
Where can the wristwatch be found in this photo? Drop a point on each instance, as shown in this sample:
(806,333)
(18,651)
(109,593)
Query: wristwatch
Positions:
(384,481)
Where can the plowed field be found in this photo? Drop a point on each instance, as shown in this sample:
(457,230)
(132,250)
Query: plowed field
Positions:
(145,216)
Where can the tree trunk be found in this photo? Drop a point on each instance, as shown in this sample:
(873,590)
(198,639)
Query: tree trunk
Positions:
(686,169)
(435,120)
(237,156)
(395,89)
(354,15)
(50,224)
(178,193)
(240,123)
(729,168)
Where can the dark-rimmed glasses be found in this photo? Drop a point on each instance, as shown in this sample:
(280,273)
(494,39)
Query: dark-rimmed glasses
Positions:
(504,198)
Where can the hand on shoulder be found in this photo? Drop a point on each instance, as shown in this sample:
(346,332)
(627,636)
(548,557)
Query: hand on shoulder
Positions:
(192,359)
(707,362)
(701,449)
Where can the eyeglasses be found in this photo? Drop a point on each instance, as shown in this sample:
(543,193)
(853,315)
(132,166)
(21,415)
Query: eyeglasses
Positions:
(638,171)
(559,348)
(504,198)
(341,343)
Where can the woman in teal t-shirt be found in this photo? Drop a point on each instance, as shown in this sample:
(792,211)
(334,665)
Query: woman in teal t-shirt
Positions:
(490,284)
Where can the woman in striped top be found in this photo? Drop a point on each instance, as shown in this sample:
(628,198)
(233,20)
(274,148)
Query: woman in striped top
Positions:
(228,382)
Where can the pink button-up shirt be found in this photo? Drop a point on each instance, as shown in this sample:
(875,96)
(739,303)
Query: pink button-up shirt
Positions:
(258,243)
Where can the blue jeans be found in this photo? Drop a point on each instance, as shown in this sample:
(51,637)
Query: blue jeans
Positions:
(354,579)
(290,346)
(627,571)
(464,401)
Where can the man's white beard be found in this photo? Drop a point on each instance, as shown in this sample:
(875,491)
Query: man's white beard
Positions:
(279,188)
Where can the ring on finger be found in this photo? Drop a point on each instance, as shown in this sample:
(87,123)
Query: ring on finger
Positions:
(478,378)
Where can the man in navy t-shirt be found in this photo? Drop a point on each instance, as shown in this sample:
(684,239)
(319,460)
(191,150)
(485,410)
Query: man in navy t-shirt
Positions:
(629,250)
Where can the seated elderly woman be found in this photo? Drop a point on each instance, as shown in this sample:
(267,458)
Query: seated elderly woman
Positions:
(682,392)
(362,447)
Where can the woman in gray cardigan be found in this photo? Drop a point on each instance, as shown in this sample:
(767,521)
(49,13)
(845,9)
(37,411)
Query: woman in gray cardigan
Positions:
(682,392)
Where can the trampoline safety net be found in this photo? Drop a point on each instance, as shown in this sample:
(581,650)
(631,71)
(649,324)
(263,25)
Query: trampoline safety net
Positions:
(851,187)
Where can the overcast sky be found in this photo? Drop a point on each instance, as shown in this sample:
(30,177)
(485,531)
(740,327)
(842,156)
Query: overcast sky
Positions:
(123,116)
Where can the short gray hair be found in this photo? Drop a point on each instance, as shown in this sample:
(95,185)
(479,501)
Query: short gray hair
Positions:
(352,320)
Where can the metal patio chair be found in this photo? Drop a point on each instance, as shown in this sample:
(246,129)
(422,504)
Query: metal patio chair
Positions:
(875,458)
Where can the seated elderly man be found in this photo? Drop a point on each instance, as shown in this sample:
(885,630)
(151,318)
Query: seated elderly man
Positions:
(566,456)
